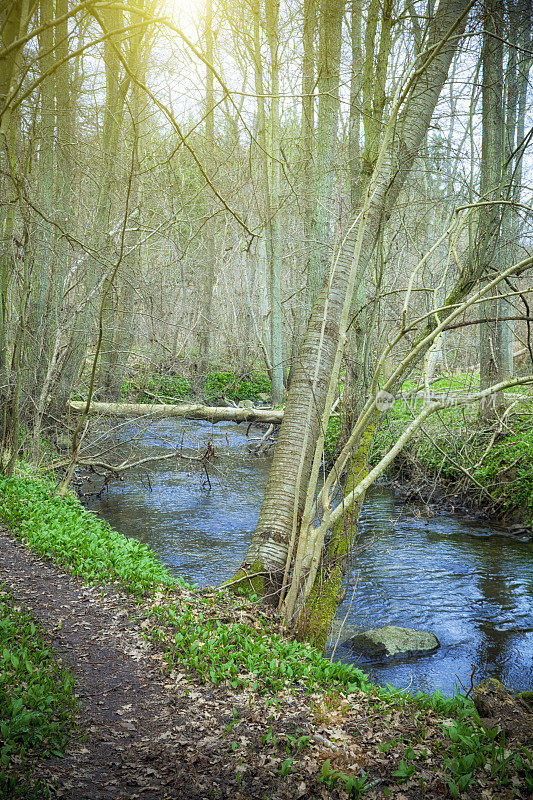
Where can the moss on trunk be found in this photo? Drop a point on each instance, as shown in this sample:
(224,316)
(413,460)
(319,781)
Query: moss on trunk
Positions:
(317,613)
(250,579)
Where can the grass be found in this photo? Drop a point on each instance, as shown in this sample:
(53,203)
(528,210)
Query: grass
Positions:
(37,702)
(236,654)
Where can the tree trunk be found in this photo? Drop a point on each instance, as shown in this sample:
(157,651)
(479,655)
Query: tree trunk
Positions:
(14,26)
(209,272)
(273,226)
(489,242)
(318,358)
(183,410)
(328,66)
(307,137)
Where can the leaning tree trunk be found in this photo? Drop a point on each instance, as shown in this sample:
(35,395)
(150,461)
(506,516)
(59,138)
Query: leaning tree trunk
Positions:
(289,475)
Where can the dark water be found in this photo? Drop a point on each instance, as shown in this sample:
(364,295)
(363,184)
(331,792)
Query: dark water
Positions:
(468,583)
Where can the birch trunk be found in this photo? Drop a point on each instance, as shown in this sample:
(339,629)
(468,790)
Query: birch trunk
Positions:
(318,358)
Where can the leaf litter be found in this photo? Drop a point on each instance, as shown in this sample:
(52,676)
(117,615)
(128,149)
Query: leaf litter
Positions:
(146,729)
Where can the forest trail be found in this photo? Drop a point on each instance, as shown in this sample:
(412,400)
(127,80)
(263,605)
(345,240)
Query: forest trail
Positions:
(144,737)
(147,732)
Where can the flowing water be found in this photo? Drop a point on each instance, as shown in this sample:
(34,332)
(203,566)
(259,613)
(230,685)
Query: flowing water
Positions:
(468,583)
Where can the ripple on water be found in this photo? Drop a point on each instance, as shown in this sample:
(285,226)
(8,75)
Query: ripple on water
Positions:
(465,582)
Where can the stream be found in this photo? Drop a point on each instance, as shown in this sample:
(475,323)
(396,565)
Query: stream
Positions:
(467,582)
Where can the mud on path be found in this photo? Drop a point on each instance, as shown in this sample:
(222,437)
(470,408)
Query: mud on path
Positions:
(146,731)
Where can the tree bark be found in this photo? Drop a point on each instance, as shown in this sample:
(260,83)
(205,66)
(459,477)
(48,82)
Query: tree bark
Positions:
(209,275)
(183,410)
(328,66)
(318,357)
(489,240)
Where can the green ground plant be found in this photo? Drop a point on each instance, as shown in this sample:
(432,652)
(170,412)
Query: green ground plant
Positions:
(169,388)
(218,386)
(237,654)
(240,655)
(37,701)
(497,454)
(63,531)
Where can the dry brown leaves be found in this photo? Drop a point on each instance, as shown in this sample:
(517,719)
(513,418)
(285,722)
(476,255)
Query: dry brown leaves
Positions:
(146,731)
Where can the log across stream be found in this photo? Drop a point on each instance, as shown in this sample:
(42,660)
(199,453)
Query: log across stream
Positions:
(467,582)
(184,411)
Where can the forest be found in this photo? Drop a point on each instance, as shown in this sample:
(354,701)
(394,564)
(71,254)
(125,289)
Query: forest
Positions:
(301,230)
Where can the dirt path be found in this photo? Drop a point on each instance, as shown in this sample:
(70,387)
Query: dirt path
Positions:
(144,740)
(147,731)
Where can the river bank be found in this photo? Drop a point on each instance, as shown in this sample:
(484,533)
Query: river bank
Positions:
(179,697)
(430,497)
(460,461)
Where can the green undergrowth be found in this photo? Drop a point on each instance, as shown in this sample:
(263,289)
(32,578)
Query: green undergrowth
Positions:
(497,455)
(63,531)
(202,632)
(37,702)
(241,655)
(220,386)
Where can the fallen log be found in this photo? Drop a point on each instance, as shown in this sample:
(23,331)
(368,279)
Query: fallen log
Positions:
(183,410)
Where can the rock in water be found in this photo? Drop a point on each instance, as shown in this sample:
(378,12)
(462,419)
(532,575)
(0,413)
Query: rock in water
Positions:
(393,640)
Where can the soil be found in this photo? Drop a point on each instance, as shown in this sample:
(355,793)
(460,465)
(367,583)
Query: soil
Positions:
(146,730)
(432,498)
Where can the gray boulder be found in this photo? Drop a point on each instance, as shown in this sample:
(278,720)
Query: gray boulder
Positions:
(392,640)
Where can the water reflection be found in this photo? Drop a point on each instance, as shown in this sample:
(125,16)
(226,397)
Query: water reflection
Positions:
(465,582)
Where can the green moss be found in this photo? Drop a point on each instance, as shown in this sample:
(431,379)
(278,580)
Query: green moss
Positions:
(249,581)
(321,605)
